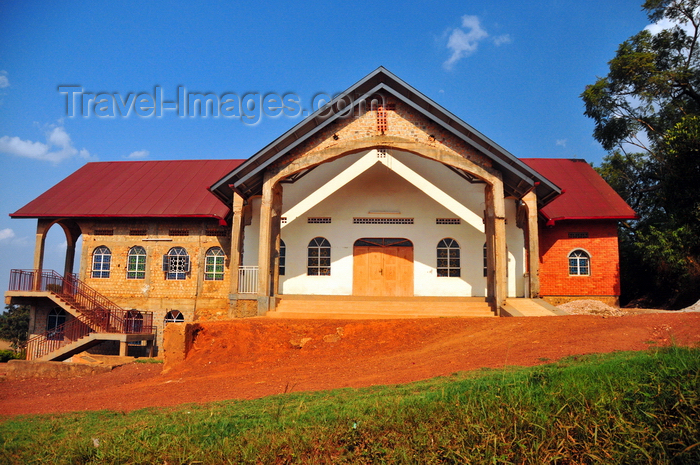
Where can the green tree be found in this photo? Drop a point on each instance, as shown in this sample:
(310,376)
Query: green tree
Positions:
(14,325)
(646,115)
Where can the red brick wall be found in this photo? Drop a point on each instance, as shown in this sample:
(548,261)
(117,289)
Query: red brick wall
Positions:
(601,245)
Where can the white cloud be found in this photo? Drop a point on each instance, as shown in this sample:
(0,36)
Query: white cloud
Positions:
(500,40)
(464,43)
(562,142)
(464,40)
(59,147)
(665,23)
(4,81)
(138,154)
(6,233)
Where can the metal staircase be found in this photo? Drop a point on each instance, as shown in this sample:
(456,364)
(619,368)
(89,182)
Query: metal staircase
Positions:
(96,318)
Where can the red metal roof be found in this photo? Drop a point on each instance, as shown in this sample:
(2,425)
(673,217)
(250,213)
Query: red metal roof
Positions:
(585,195)
(178,188)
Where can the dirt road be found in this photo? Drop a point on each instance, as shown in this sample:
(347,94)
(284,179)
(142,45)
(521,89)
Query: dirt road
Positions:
(252,358)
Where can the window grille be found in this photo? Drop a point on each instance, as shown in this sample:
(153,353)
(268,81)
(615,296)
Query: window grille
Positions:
(448,221)
(381,118)
(101,262)
(138,232)
(283,257)
(136,263)
(579,263)
(448,259)
(54,324)
(176,264)
(319,257)
(214,264)
(318,220)
(174,316)
(381,153)
(578,235)
(382,220)
(103,232)
(179,232)
(283,220)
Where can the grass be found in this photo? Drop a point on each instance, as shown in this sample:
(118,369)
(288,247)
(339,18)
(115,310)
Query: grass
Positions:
(626,408)
(149,360)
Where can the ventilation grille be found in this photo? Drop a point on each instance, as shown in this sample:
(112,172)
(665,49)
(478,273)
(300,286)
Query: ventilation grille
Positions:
(578,235)
(382,221)
(283,220)
(179,232)
(138,232)
(318,220)
(103,232)
(448,221)
(216,232)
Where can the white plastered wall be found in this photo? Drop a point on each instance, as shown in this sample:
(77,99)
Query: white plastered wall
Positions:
(363,185)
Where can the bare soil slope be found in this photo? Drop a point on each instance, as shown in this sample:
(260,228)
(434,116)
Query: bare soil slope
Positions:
(258,357)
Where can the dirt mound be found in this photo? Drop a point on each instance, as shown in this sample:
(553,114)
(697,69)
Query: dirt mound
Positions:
(590,307)
(257,357)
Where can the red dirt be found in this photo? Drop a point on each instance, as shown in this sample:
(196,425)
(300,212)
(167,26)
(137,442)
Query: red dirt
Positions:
(253,358)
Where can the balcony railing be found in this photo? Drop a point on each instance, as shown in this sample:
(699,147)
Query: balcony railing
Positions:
(247,279)
(94,312)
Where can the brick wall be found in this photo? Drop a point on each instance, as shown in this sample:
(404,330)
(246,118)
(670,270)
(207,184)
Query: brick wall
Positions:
(402,121)
(603,283)
(195,297)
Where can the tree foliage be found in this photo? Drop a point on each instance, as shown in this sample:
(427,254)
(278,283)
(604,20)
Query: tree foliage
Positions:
(647,115)
(14,325)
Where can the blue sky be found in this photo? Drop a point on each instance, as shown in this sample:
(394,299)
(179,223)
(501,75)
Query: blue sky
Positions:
(514,70)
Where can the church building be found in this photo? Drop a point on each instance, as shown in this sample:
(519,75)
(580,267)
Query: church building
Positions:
(383,196)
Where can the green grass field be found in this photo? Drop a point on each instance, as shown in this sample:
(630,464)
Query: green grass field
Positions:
(618,408)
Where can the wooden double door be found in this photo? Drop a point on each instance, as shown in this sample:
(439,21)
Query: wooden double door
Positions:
(383,267)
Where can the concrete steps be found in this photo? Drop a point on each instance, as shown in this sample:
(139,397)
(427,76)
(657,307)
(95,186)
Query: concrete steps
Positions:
(356,307)
(67,351)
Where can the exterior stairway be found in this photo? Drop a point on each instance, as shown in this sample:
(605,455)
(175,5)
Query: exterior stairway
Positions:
(95,317)
(371,307)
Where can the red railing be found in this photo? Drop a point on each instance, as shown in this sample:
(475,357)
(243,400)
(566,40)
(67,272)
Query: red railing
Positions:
(95,311)
(54,339)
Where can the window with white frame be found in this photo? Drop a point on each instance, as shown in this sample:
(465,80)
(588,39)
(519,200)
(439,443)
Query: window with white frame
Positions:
(283,257)
(319,257)
(448,260)
(579,263)
(214,264)
(101,262)
(174,316)
(136,263)
(54,324)
(176,264)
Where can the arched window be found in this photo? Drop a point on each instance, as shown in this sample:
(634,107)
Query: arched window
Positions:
(283,256)
(214,264)
(174,316)
(579,263)
(54,324)
(133,322)
(448,258)
(136,263)
(319,259)
(101,261)
(176,263)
